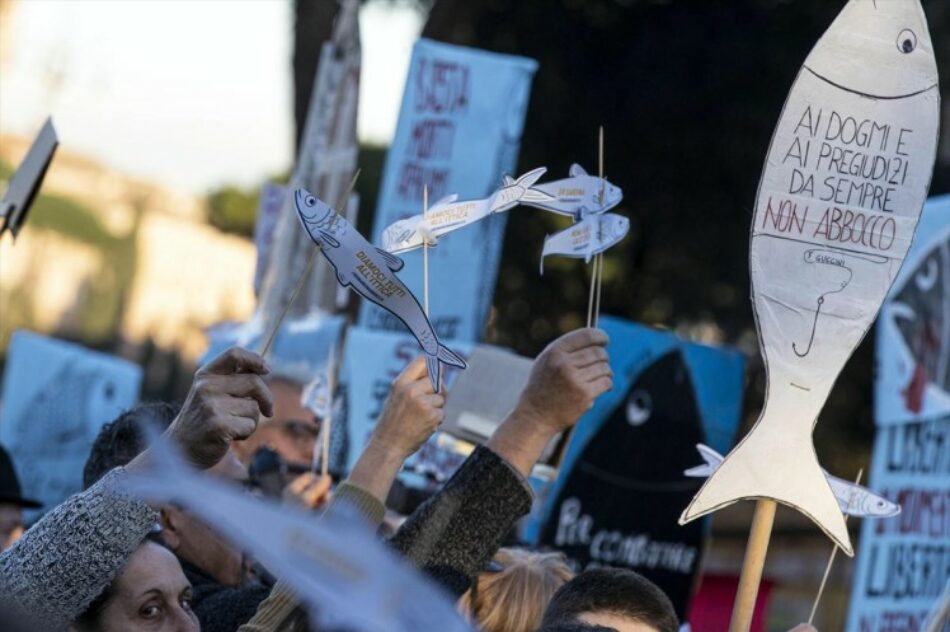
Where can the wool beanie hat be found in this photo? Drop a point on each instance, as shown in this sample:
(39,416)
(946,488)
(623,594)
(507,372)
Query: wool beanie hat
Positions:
(68,558)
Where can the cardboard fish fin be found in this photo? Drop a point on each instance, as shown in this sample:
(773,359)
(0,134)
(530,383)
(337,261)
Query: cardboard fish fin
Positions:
(434,365)
(759,467)
(448,199)
(536,195)
(576,171)
(393,262)
(711,459)
(528,179)
(507,180)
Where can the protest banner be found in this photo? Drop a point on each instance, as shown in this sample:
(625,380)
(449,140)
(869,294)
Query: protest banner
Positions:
(902,563)
(56,397)
(459,131)
(621,486)
(371,362)
(325,165)
(272,199)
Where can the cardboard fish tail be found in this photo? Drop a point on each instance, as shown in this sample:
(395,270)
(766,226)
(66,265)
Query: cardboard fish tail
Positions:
(799,482)
(853,499)
(828,242)
(371,273)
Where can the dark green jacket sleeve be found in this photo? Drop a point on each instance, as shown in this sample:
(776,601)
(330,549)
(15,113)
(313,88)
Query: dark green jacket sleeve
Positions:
(453,535)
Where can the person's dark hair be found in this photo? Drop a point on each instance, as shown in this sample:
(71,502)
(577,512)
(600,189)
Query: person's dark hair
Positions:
(122,439)
(616,591)
(574,626)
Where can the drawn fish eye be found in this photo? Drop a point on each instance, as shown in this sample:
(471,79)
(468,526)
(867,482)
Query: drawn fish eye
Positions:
(906,41)
(927,278)
(639,407)
(310,201)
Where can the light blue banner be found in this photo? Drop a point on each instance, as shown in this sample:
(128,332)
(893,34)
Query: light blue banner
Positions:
(371,362)
(459,131)
(56,397)
(902,562)
(716,377)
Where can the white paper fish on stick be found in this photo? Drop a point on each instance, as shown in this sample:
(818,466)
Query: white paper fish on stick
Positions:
(371,273)
(579,195)
(449,214)
(26,181)
(853,500)
(591,236)
(335,565)
(841,192)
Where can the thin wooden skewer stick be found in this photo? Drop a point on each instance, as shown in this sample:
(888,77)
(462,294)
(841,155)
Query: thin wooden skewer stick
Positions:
(425,252)
(590,297)
(599,264)
(328,418)
(290,301)
(599,261)
(752,565)
(834,552)
(303,277)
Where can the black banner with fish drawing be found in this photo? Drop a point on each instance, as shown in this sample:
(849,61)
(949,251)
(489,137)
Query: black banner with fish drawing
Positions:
(903,563)
(621,487)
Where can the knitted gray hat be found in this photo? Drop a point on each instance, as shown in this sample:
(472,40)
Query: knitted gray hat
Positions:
(69,557)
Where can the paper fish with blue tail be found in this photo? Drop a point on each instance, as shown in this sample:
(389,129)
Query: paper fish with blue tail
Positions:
(827,241)
(591,236)
(449,214)
(577,196)
(371,273)
(853,499)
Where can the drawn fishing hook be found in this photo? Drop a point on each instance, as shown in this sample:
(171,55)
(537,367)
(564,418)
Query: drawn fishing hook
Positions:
(814,326)
(809,255)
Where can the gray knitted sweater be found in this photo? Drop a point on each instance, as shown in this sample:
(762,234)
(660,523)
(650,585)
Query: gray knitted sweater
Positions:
(74,552)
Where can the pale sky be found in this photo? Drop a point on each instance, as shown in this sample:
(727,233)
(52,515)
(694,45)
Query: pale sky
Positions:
(187,94)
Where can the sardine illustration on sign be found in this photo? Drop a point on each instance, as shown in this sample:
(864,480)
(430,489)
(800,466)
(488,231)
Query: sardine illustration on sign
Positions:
(370,272)
(618,505)
(919,310)
(579,195)
(591,236)
(844,182)
(854,500)
(449,214)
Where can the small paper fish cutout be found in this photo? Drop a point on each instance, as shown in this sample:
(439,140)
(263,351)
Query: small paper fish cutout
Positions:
(370,272)
(449,214)
(854,500)
(591,236)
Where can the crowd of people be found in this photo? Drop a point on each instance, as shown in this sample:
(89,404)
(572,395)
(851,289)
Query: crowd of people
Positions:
(107,560)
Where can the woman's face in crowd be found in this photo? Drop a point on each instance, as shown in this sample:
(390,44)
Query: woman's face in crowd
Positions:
(151,594)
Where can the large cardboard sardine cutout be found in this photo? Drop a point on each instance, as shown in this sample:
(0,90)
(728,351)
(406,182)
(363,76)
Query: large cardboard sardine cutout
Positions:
(853,499)
(370,272)
(841,192)
(591,236)
(578,195)
(449,214)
